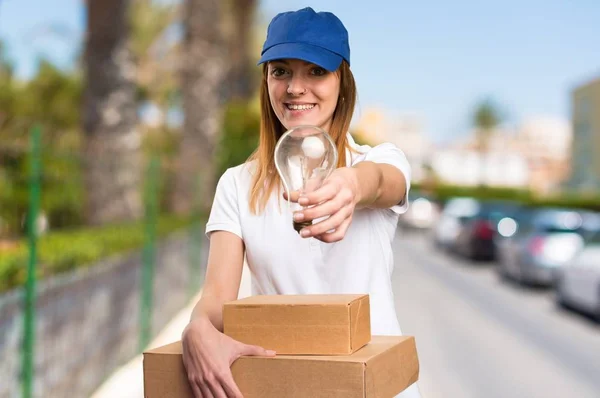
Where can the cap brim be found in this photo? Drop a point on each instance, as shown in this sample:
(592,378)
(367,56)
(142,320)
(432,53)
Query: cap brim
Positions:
(305,52)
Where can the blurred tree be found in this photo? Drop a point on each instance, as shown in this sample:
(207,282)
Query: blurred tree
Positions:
(203,74)
(113,163)
(8,163)
(50,98)
(55,94)
(430,180)
(7,96)
(154,49)
(243,76)
(486,118)
(239,135)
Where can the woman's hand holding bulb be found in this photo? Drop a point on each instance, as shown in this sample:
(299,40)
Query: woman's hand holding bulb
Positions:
(336,199)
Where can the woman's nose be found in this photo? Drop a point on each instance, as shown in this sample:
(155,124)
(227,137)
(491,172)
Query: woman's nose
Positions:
(296,86)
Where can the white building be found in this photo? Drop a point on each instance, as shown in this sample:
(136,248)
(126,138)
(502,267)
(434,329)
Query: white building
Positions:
(403,130)
(534,155)
(470,168)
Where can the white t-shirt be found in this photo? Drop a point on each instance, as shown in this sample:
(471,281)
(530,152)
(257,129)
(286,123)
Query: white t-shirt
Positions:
(282,262)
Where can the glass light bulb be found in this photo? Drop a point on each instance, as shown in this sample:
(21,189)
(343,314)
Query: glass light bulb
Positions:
(304,156)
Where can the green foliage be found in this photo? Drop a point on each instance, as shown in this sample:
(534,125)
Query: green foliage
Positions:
(442,193)
(590,202)
(67,250)
(487,115)
(12,269)
(239,138)
(53,98)
(149,19)
(163,141)
(153,49)
(8,95)
(62,190)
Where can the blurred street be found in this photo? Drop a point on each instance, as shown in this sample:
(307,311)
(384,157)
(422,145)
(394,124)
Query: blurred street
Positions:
(478,336)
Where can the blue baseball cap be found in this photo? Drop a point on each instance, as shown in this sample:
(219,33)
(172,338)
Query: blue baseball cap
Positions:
(316,37)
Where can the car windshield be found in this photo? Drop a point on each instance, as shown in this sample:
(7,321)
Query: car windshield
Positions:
(461,207)
(594,239)
(488,208)
(565,221)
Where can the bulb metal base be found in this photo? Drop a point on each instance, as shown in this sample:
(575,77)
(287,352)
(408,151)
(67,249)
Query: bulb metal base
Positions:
(299,225)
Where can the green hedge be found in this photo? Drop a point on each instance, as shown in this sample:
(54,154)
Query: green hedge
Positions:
(444,192)
(66,250)
(570,201)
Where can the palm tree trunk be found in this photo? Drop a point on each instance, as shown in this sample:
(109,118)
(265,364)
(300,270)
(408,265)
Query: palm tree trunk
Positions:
(241,77)
(203,74)
(112,143)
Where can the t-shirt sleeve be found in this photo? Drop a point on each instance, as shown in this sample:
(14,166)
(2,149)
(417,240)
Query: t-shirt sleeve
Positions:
(225,211)
(390,154)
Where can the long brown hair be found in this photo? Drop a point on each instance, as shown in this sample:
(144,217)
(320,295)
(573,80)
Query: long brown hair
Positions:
(265,177)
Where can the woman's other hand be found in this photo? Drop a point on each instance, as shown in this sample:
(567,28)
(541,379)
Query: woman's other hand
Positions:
(208,355)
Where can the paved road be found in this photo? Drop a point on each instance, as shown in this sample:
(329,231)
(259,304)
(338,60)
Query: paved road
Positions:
(480,337)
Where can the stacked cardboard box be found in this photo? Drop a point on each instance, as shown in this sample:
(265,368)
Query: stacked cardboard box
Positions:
(324,349)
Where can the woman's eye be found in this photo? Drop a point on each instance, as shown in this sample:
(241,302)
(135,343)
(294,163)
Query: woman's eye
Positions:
(278,72)
(318,71)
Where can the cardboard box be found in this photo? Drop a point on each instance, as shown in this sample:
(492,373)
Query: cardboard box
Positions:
(383,368)
(301,324)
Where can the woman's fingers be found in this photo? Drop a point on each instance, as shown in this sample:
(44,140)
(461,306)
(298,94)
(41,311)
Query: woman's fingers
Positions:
(229,386)
(293,196)
(323,210)
(334,201)
(196,390)
(215,387)
(337,235)
(332,223)
(326,192)
(206,391)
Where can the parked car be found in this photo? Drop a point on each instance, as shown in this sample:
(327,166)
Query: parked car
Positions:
(477,232)
(422,213)
(545,240)
(453,213)
(578,283)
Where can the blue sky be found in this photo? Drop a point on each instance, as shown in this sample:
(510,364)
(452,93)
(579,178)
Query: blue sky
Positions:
(435,59)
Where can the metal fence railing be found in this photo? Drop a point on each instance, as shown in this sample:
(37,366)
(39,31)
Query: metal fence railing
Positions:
(67,316)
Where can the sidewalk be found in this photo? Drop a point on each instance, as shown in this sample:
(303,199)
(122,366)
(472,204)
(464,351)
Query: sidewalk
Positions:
(127,381)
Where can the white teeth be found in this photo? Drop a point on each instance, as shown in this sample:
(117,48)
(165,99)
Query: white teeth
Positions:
(300,107)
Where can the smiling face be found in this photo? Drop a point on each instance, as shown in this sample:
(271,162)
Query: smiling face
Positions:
(302,93)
